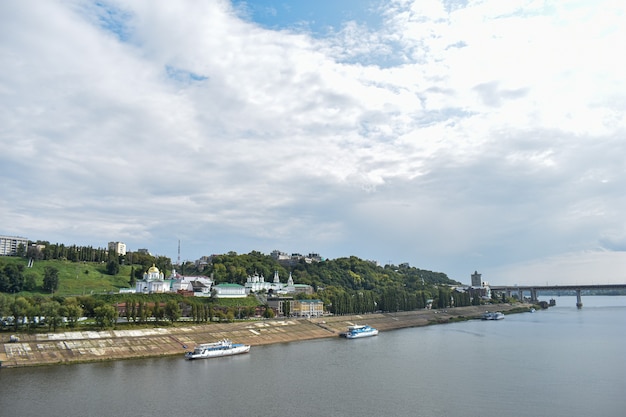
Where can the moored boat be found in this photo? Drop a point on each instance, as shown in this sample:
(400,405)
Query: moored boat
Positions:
(359,330)
(223,347)
(488,315)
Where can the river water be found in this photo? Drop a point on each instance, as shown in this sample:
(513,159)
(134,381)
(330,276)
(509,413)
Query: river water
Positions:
(559,362)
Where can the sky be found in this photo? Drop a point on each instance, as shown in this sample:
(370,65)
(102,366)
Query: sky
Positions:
(457,136)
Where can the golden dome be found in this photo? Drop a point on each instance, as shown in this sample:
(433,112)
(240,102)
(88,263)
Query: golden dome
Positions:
(153,269)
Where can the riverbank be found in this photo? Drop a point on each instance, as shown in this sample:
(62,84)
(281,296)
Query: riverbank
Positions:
(90,346)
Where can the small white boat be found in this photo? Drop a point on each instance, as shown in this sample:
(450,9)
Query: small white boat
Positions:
(223,347)
(357,331)
(493,316)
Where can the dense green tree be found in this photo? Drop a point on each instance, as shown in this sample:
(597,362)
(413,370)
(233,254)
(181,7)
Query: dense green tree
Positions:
(113,267)
(19,309)
(89,304)
(172,311)
(133,280)
(51,279)
(158,312)
(268,313)
(133,311)
(143,311)
(4,305)
(21,250)
(73,311)
(106,316)
(128,310)
(32,315)
(30,281)
(51,311)
(12,278)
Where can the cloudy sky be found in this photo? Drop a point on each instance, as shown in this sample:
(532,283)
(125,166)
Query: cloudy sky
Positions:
(452,135)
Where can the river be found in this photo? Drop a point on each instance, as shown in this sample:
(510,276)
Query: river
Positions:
(558,362)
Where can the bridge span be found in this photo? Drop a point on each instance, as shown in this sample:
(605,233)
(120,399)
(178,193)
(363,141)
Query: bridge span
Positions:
(534,289)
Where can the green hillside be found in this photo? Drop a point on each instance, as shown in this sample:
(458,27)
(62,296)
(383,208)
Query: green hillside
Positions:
(75,278)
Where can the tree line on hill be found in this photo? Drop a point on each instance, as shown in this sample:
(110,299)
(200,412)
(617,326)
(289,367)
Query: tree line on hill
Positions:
(346,285)
(41,250)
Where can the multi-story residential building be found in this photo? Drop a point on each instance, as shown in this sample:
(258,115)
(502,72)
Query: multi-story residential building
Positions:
(9,244)
(118,247)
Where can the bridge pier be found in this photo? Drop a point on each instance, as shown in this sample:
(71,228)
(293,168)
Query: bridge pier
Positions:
(579,301)
(533,295)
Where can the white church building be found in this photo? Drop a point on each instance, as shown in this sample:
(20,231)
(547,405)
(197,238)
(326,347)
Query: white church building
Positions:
(153,282)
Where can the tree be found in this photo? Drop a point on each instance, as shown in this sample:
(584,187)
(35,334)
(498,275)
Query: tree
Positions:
(172,311)
(143,311)
(73,311)
(5,285)
(133,311)
(129,309)
(12,278)
(4,305)
(113,267)
(230,315)
(51,279)
(21,250)
(30,281)
(33,313)
(158,312)
(19,309)
(106,316)
(268,313)
(51,311)
(132,281)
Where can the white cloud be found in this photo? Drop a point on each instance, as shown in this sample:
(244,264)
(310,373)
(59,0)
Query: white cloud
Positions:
(457,136)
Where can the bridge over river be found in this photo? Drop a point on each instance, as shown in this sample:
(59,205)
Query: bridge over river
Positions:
(534,289)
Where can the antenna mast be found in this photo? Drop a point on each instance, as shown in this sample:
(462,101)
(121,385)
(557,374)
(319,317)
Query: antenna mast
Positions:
(178,252)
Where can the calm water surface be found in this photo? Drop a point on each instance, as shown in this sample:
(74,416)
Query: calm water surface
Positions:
(560,362)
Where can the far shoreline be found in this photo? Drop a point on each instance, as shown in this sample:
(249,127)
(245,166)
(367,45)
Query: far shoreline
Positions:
(84,346)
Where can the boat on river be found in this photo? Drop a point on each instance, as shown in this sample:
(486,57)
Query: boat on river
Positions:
(488,315)
(223,347)
(359,330)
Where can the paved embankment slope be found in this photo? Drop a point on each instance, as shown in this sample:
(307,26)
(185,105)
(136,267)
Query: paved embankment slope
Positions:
(87,346)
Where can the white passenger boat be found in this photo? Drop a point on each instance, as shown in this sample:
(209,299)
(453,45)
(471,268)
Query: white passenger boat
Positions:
(493,316)
(362,330)
(223,347)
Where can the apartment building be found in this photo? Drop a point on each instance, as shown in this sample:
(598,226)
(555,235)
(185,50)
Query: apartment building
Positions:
(9,244)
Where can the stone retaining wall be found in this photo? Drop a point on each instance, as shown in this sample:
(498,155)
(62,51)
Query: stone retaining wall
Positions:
(88,346)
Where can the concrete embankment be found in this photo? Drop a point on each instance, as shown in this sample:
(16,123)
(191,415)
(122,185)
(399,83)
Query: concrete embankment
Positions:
(88,346)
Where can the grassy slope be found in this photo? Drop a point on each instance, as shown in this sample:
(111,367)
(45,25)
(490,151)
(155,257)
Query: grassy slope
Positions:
(76,278)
